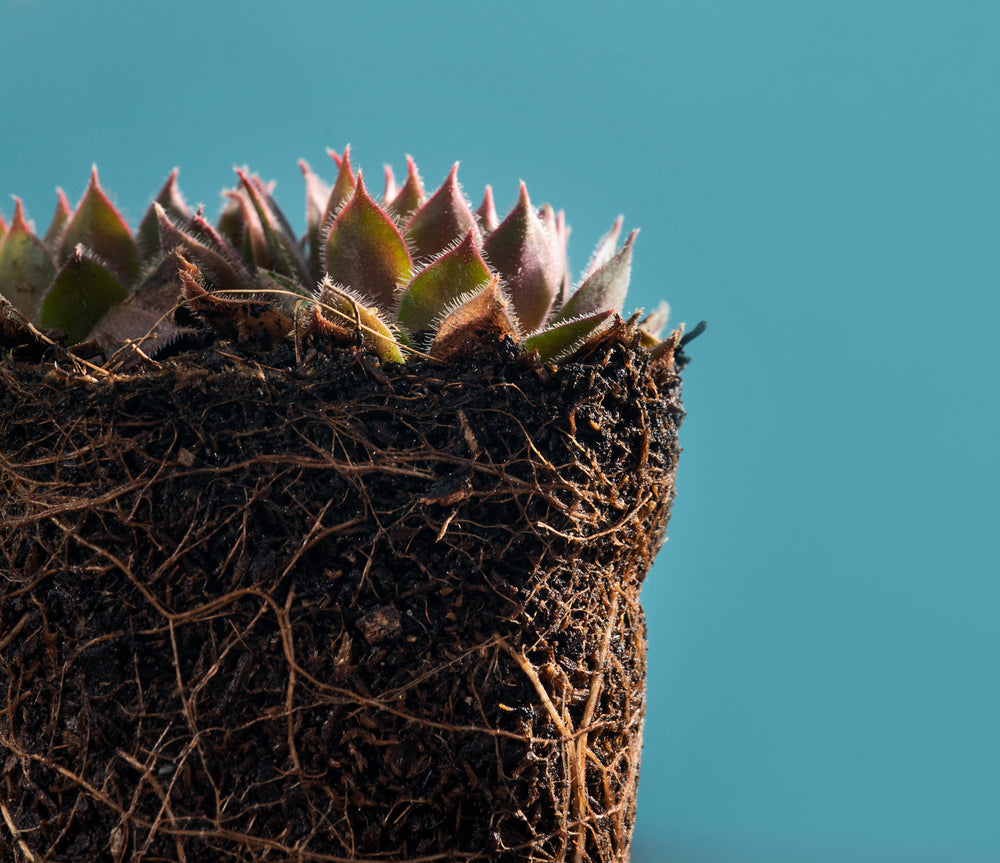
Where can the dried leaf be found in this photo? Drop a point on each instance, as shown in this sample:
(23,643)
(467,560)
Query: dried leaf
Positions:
(474,325)
(240,320)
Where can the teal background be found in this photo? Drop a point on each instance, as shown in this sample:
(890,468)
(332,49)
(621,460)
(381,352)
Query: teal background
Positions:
(820,182)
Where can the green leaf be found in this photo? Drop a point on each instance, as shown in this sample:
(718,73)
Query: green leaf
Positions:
(474,325)
(99,227)
(522,251)
(445,218)
(349,311)
(566,338)
(365,251)
(173,203)
(26,269)
(604,289)
(460,271)
(83,290)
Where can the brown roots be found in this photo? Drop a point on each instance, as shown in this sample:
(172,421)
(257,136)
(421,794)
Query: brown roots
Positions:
(252,610)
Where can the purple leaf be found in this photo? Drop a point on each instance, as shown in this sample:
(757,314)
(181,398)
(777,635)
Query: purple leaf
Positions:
(522,251)
(224,274)
(604,289)
(283,250)
(445,218)
(605,249)
(409,198)
(173,203)
(100,227)
(487,213)
(82,291)
(26,268)
(365,251)
(60,218)
(343,186)
(460,271)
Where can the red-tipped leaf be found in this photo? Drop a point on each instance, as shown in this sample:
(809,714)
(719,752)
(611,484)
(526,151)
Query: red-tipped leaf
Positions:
(445,218)
(60,218)
(26,267)
(487,213)
(522,250)
(172,201)
(99,227)
(365,251)
(563,339)
(410,198)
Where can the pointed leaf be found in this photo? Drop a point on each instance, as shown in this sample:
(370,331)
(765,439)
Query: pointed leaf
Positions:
(172,201)
(348,310)
(475,324)
(26,268)
(458,272)
(343,186)
(100,227)
(555,226)
(365,251)
(487,213)
(566,338)
(604,251)
(317,195)
(83,290)
(245,223)
(224,275)
(3,228)
(391,189)
(445,218)
(409,198)
(522,251)
(282,247)
(606,287)
(60,218)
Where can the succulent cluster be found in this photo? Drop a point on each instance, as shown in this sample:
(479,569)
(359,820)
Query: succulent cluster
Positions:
(410,273)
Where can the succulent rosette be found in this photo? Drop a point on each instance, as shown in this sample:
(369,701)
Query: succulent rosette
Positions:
(405,274)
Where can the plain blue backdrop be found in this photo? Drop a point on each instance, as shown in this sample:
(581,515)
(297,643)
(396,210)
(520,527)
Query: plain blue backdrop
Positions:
(818,180)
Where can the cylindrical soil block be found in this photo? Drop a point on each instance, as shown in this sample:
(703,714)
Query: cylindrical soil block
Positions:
(275,609)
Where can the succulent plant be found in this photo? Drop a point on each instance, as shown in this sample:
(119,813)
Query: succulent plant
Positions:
(409,274)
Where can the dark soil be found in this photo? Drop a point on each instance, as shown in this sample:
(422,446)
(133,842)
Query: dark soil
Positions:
(259,610)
